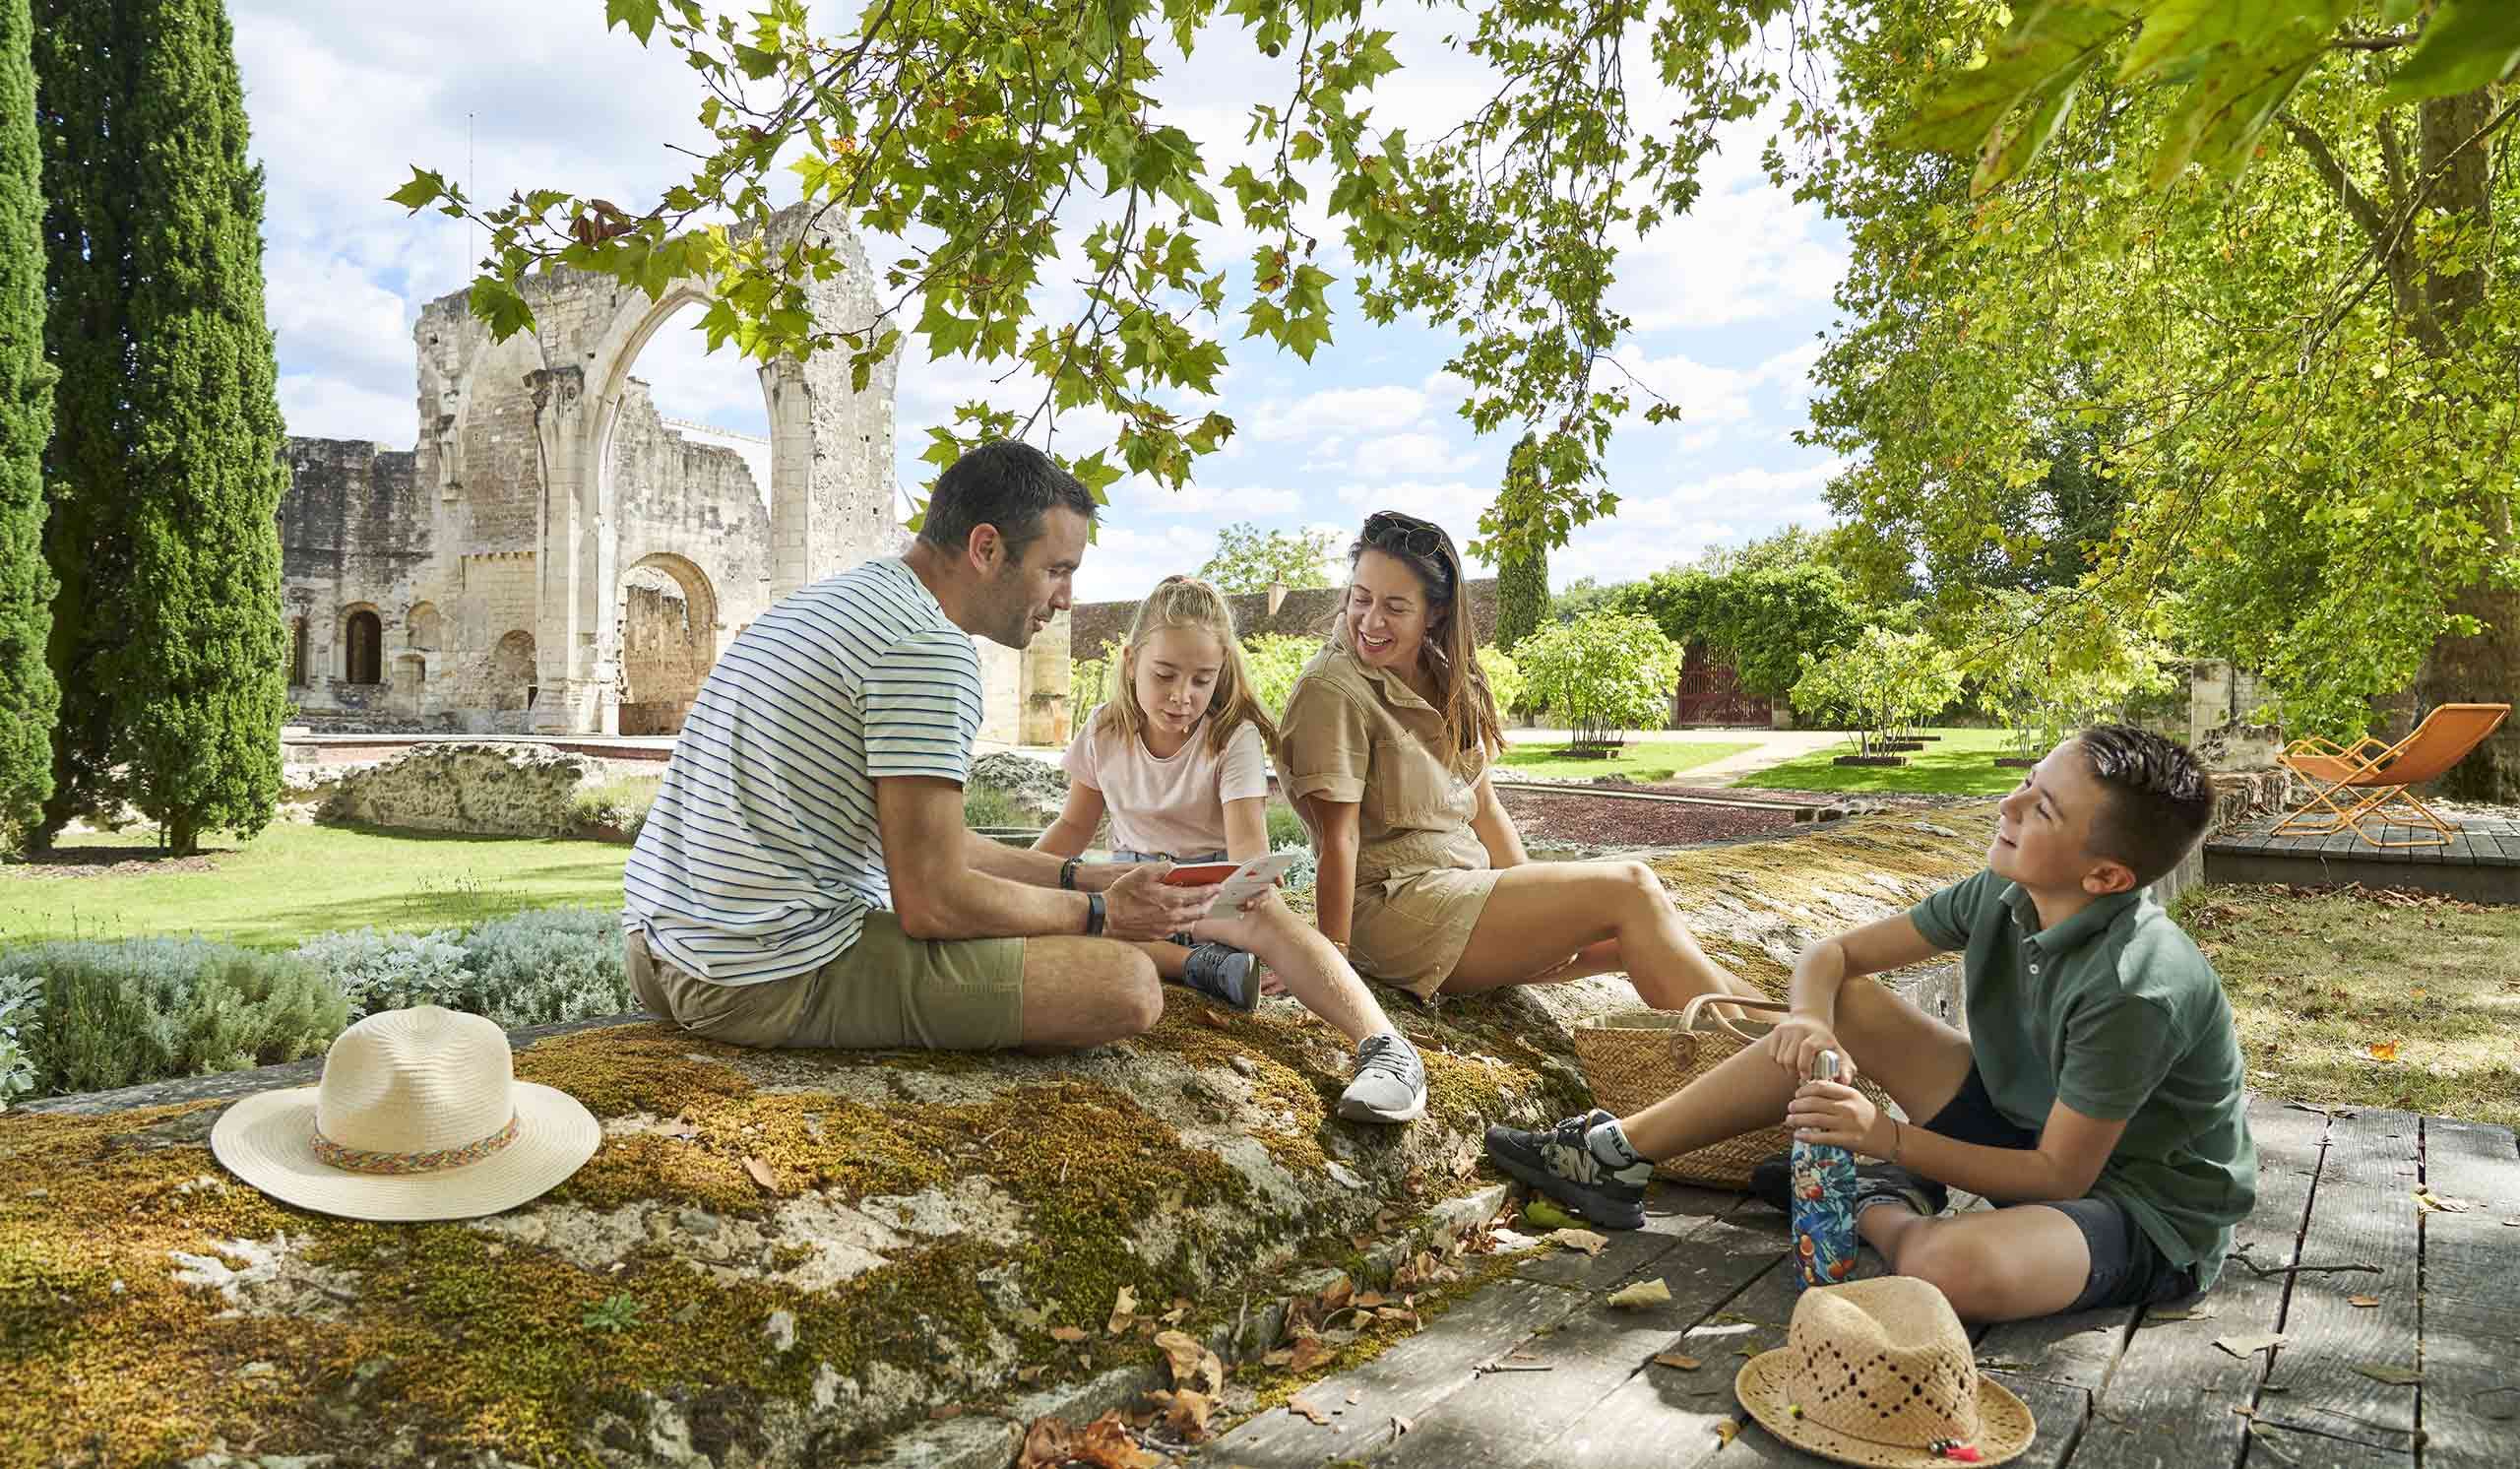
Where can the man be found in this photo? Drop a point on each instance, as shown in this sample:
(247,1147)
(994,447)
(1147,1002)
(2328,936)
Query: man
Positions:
(805,878)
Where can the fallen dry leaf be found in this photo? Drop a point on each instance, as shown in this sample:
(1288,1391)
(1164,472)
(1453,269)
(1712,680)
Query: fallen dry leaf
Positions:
(2363,1301)
(1677,1359)
(2243,1346)
(1301,1408)
(1338,1296)
(1071,1335)
(1185,1412)
(762,1175)
(1421,1271)
(1399,1425)
(1282,1356)
(1367,1300)
(1124,1312)
(1644,1293)
(1046,1445)
(1583,1240)
(1309,1352)
(1725,1431)
(1027,1375)
(1213,1018)
(1106,1443)
(2395,1376)
(2429,1202)
(1195,1367)
(946,1412)
(2178,1313)
(1356,1395)
(2381,1051)
(678,1127)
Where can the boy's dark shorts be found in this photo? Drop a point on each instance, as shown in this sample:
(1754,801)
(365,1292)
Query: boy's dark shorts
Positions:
(2127,1267)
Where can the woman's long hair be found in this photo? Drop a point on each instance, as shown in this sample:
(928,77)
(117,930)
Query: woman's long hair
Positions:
(1187,601)
(1451,648)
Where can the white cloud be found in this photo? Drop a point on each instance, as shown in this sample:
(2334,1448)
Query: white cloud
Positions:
(1337,411)
(1126,561)
(333,408)
(1410,454)
(1704,394)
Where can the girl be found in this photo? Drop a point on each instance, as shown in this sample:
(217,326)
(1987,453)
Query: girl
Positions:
(1179,760)
(1388,738)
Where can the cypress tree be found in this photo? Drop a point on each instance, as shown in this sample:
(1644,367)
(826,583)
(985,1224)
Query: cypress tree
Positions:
(82,78)
(1522,581)
(199,684)
(179,644)
(28,694)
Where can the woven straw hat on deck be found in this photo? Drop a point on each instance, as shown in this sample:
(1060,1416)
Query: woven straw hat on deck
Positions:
(1880,1372)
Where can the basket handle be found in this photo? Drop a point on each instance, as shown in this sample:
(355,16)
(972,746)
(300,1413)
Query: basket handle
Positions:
(1688,1016)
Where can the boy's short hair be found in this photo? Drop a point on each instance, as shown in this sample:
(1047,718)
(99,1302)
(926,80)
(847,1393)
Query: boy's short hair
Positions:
(1006,484)
(2160,800)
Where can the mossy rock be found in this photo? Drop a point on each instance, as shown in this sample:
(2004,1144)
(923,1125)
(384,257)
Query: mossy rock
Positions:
(933,1231)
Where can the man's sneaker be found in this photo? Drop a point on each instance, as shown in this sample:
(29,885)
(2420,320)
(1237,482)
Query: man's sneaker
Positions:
(1772,1184)
(1562,1165)
(1223,972)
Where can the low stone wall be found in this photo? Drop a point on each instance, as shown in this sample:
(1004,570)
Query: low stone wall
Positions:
(481,787)
(2238,794)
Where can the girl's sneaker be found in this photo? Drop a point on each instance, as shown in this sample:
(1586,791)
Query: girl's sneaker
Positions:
(1390,1085)
(1223,972)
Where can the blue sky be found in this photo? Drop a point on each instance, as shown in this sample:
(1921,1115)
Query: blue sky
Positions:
(1728,302)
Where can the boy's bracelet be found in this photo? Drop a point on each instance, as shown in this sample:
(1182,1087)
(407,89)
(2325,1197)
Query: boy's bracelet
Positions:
(1898,1140)
(1093,915)
(1067,874)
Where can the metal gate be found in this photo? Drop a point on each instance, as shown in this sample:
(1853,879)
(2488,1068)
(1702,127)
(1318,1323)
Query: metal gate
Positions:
(1710,694)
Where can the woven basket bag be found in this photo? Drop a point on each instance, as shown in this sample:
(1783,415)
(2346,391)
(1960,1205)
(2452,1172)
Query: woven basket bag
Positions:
(1634,1058)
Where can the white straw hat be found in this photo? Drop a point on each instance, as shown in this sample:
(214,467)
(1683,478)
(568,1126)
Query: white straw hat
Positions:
(419,1116)
(1880,1372)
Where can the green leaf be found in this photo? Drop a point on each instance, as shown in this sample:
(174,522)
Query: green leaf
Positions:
(424,189)
(639,15)
(2468,44)
(498,303)
(2046,42)
(2014,141)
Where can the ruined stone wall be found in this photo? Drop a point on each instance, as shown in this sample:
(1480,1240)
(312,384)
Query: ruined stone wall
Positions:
(356,534)
(698,502)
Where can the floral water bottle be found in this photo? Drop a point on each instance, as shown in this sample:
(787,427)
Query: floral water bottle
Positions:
(1824,1239)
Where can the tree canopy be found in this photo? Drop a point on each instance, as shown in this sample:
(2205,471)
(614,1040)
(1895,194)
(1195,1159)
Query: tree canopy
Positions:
(2255,254)
(1251,559)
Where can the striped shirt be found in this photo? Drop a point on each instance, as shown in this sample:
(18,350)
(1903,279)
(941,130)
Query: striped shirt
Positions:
(761,855)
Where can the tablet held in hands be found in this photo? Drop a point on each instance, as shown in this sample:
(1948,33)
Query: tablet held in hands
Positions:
(1237,882)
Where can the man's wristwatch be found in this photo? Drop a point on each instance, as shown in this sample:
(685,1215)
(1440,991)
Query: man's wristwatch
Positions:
(1067,874)
(1093,915)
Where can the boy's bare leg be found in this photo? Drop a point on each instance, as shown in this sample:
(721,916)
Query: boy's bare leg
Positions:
(1917,1060)
(1171,961)
(1308,964)
(1086,991)
(1997,1264)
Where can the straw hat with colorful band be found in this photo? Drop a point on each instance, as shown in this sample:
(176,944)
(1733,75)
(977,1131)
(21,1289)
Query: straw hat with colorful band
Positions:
(419,1116)
(1880,1372)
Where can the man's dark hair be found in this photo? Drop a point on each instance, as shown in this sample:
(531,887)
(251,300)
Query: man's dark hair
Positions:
(2160,800)
(1003,483)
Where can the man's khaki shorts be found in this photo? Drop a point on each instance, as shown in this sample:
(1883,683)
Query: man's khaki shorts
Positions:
(887,991)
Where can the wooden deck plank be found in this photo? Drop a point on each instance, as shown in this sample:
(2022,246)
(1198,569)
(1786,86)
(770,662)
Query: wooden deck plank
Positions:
(2077,1351)
(1406,1381)
(1506,1419)
(2170,1400)
(2362,1211)
(2471,1393)
(1673,1213)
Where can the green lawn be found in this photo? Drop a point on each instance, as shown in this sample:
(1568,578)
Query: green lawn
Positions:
(2372,1000)
(1657,762)
(1961,763)
(296,880)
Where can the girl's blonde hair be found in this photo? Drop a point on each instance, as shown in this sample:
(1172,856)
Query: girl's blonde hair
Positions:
(1187,601)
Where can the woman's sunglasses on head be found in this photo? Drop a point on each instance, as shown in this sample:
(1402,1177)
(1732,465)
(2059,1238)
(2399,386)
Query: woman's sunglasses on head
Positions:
(1390,528)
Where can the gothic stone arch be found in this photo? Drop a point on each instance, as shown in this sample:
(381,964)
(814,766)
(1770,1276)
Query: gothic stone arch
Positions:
(669,639)
(831,473)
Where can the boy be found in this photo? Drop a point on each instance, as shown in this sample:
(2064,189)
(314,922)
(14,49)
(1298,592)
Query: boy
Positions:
(2095,1097)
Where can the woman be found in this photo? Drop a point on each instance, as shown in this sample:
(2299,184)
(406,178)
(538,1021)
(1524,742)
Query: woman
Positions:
(1385,750)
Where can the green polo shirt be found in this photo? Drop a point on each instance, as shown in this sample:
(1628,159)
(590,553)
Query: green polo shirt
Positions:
(2115,1013)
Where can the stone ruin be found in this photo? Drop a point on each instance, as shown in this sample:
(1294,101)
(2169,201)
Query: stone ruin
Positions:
(553,556)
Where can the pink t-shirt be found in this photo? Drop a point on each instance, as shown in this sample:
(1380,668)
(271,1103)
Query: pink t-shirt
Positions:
(1174,806)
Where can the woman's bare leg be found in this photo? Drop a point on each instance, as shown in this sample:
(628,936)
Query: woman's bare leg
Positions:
(1541,914)
(1309,965)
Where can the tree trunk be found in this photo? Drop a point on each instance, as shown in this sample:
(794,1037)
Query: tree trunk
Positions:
(2484,668)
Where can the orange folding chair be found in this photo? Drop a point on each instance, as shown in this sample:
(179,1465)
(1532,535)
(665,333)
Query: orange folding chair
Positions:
(2375,779)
